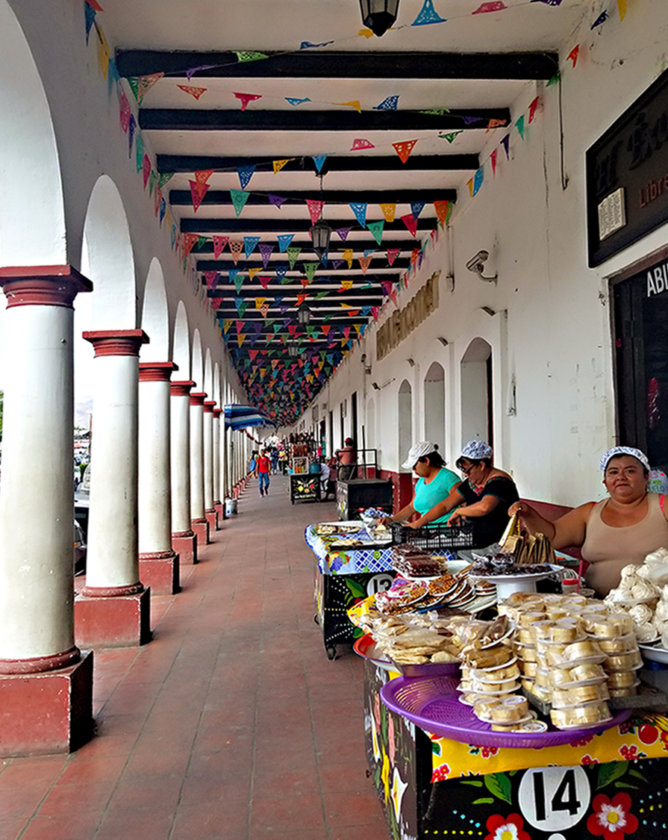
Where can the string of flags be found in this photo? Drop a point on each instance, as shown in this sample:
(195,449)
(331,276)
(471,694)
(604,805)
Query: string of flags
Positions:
(266,374)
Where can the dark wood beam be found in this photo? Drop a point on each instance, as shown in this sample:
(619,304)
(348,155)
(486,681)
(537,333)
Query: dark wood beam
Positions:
(325,64)
(334,163)
(335,120)
(248,226)
(330,197)
(405,245)
(227,265)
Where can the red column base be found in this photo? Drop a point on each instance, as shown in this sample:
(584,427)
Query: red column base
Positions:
(159,571)
(201,530)
(185,545)
(115,621)
(219,507)
(211,519)
(47,712)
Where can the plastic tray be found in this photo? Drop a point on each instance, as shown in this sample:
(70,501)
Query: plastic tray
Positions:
(365,647)
(432,704)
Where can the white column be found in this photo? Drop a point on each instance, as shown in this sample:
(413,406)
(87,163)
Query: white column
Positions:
(180,458)
(197,457)
(218,462)
(207,453)
(155,515)
(112,563)
(37,491)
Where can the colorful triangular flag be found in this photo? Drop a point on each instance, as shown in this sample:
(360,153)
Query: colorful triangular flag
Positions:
(245,98)
(404,149)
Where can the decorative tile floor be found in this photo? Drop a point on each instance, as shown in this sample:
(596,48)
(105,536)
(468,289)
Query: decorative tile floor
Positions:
(231,724)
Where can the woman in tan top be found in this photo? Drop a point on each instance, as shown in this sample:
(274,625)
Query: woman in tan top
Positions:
(620,530)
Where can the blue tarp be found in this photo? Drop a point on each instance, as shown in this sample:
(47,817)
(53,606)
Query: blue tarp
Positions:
(242,416)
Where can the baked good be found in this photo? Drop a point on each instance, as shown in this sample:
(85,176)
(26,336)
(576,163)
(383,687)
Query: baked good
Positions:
(621,679)
(581,673)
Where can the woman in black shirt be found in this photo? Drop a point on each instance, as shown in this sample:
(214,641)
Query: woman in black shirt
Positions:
(483,497)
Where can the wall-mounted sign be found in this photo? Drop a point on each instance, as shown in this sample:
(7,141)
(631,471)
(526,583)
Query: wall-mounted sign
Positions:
(402,322)
(627,176)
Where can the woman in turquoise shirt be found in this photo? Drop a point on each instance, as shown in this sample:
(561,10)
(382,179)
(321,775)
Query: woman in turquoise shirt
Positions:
(433,485)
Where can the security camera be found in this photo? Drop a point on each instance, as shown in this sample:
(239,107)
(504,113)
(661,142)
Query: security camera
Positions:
(477,265)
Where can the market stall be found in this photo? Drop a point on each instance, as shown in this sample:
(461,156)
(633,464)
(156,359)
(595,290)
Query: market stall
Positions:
(543,723)
(352,566)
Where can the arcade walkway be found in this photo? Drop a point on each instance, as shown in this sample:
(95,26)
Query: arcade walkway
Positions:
(230,725)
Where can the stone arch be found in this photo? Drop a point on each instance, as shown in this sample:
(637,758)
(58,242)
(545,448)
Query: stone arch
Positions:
(32,208)
(197,366)
(107,259)
(216,393)
(434,405)
(155,316)
(181,354)
(405,418)
(476,392)
(208,374)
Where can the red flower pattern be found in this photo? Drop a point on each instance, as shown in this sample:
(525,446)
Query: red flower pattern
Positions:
(612,819)
(506,828)
(629,753)
(440,774)
(587,759)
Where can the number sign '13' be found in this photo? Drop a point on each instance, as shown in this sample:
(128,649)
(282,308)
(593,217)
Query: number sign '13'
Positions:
(554,798)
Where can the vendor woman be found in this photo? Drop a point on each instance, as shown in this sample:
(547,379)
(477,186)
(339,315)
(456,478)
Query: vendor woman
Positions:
(433,484)
(483,497)
(622,529)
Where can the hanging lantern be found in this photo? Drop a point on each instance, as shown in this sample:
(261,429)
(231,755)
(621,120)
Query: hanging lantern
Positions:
(304,315)
(379,15)
(321,233)
(293,351)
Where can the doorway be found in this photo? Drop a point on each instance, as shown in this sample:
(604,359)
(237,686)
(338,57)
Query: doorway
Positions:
(640,312)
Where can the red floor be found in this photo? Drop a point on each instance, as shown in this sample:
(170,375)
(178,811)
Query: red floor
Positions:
(231,724)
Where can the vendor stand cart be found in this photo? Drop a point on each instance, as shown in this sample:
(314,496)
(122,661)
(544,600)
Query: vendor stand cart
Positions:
(609,785)
(358,494)
(343,577)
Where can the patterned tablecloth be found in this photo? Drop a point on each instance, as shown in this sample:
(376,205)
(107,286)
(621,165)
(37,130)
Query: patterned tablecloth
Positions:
(339,561)
(642,736)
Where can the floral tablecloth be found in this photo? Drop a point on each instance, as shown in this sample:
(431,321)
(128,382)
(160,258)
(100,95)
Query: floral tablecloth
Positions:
(338,561)
(642,736)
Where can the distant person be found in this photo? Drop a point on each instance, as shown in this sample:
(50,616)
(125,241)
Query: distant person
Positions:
(262,471)
(274,461)
(253,462)
(347,460)
(330,486)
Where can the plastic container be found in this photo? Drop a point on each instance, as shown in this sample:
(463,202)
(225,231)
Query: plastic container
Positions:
(623,661)
(441,536)
(623,644)
(564,698)
(581,717)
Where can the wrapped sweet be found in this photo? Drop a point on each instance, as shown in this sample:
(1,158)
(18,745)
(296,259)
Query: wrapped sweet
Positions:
(580,717)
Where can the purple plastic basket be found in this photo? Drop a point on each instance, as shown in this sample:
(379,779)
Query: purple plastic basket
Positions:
(432,703)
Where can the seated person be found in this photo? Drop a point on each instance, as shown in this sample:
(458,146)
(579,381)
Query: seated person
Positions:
(483,497)
(620,530)
(433,485)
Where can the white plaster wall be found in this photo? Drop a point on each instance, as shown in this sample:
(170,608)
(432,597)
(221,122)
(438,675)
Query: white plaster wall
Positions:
(550,327)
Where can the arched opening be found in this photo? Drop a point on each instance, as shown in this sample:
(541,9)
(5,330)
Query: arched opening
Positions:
(476,392)
(215,394)
(32,213)
(155,316)
(107,259)
(197,368)
(181,343)
(208,374)
(434,405)
(405,412)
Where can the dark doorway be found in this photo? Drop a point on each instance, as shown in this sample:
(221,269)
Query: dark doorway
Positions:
(641,359)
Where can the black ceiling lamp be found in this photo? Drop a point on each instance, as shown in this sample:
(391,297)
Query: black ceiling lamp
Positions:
(321,232)
(379,15)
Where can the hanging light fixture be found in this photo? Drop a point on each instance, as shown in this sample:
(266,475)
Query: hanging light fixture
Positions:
(321,232)
(379,15)
(293,351)
(304,315)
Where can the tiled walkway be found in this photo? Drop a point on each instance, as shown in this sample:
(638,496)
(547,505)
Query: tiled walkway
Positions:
(231,724)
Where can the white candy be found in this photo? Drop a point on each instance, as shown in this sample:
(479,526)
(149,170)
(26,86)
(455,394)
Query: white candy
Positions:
(641,614)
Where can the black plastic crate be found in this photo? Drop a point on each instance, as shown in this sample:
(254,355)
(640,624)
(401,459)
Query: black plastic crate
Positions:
(440,536)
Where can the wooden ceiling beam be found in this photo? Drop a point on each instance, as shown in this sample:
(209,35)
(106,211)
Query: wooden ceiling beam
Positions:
(335,64)
(334,120)
(248,226)
(330,197)
(404,245)
(334,163)
(229,265)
